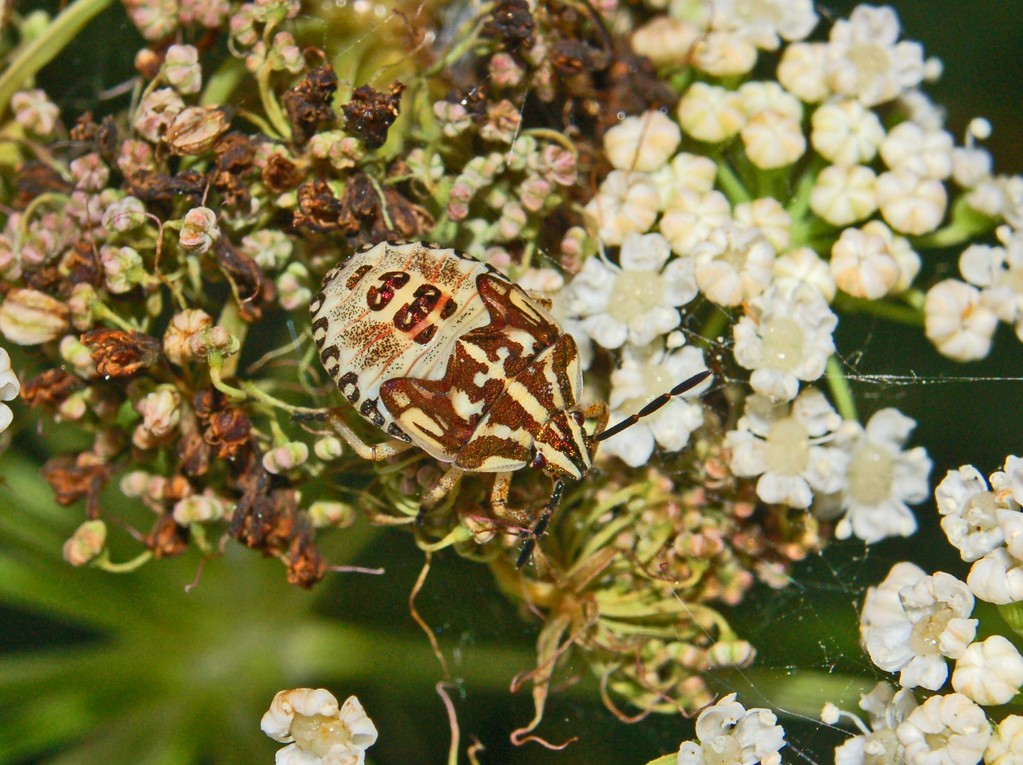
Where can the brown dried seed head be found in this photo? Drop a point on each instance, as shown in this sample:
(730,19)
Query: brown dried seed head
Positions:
(167,539)
(308,103)
(228,431)
(30,317)
(195,130)
(370,113)
(50,389)
(74,476)
(512,23)
(318,208)
(117,353)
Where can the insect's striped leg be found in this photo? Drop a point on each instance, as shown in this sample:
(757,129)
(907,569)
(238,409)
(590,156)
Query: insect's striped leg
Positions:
(438,491)
(373,452)
(541,525)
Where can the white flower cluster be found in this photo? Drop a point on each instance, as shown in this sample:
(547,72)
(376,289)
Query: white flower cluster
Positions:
(10,387)
(729,734)
(317,730)
(913,623)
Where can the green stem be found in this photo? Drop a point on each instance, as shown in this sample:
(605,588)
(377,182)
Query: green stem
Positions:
(103,562)
(884,309)
(730,184)
(45,48)
(840,391)
(222,83)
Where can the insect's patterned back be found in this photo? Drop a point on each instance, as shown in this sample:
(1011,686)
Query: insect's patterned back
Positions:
(423,341)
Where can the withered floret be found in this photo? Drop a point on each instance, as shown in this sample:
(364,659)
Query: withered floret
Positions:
(118,353)
(370,113)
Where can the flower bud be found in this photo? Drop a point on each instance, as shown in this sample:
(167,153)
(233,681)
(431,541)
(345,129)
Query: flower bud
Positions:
(195,130)
(88,541)
(199,508)
(75,353)
(199,230)
(331,513)
(291,289)
(181,67)
(285,457)
(213,340)
(178,335)
(124,215)
(120,264)
(160,412)
(329,448)
(30,317)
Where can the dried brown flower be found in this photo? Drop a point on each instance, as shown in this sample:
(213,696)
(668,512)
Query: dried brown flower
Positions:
(318,208)
(74,476)
(117,353)
(196,129)
(308,103)
(167,539)
(370,113)
(512,23)
(51,388)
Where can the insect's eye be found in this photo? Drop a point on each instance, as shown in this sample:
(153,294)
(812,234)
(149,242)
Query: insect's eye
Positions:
(539,461)
(579,417)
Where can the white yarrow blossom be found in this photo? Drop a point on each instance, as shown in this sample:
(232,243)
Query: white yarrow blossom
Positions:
(1006,745)
(846,132)
(729,734)
(690,217)
(685,172)
(627,203)
(763,23)
(865,60)
(10,387)
(317,730)
(733,264)
(957,321)
(877,743)
(724,54)
(768,215)
(998,273)
(644,143)
(802,71)
(882,478)
(784,337)
(989,672)
(784,444)
(912,147)
(911,622)
(643,376)
(973,517)
(801,269)
(710,113)
(945,730)
(910,203)
(844,194)
(635,301)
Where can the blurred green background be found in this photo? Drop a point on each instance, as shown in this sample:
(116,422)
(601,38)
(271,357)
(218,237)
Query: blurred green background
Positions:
(132,669)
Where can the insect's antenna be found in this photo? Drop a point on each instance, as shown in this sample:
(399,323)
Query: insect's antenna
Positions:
(654,405)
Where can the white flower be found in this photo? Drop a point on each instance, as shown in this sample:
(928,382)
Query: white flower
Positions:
(768,215)
(882,479)
(710,113)
(642,377)
(316,730)
(862,264)
(690,172)
(784,337)
(887,709)
(971,515)
(765,22)
(957,322)
(767,96)
(627,203)
(802,268)
(910,203)
(729,734)
(643,143)
(846,132)
(199,508)
(783,444)
(636,301)
(945,730)
(998,272)
(665,40)
(911,622)
(802,71)
(733,264)
(1007,482)
(723,54)
(844,194)
(865,61)
(1006,746)
(285,457)
(691,216)
(10,387)
(927,153)
(773,140)
(990,672)
(997,578)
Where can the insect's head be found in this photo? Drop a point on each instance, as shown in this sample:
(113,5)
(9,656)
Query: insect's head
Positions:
(561,446)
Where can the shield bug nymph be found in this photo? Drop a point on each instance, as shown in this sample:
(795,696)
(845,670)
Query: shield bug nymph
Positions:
(442,352)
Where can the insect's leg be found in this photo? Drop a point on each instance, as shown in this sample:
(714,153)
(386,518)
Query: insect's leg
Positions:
(438,491)
(373,452)
(540,527)
(499,500)
(599,411)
